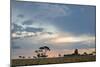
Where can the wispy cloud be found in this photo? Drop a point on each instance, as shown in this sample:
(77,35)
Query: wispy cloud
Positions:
(15,47)
(20,16)
(16,27)
(52,11)
(73,39)
(28,22)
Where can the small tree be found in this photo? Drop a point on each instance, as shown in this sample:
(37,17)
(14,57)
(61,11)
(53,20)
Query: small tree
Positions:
(94,53)
(23,57)
(20,56)
(76,52)
(59,55)
(85,53)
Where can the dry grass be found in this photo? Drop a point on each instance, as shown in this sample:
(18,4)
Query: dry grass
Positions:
(41,61)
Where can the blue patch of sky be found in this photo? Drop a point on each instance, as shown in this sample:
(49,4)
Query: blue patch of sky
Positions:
(81,19)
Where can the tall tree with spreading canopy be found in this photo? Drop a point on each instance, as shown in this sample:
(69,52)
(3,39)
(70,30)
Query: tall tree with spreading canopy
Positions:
(42,51)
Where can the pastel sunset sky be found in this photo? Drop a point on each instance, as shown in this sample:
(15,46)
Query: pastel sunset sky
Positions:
(62,27)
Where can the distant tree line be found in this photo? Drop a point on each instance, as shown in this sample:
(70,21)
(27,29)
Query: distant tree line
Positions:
(42,53)
(76,53)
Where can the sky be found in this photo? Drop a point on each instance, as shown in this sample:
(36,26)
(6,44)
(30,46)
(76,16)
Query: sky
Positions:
(61,27)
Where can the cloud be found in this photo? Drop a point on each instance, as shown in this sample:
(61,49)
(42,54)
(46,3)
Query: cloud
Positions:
(20,16)
(20,31)
(32,29)
(44,34)
(28,22)
(15,47)
(30,40)
(16,27)
(46,11)
(82,39)
(23,34)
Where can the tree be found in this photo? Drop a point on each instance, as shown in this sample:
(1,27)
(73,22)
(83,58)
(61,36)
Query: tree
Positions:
(59,55)
(20,56)
(76,52)
(42,51)
(85,53)
(23,57)
(94,53)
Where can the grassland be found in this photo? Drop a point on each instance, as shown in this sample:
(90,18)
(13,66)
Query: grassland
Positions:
(42,61)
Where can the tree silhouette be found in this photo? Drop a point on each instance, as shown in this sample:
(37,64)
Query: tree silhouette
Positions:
(42,51)
(20,56)
(94,53)
(59,55)
(85,53)
(76,52)
(23,57)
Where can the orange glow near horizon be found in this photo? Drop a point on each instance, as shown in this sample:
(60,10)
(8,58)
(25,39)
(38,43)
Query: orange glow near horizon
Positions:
(65,40)
(73,39)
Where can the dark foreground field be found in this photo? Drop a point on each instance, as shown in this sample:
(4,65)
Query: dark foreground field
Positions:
(41,61)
